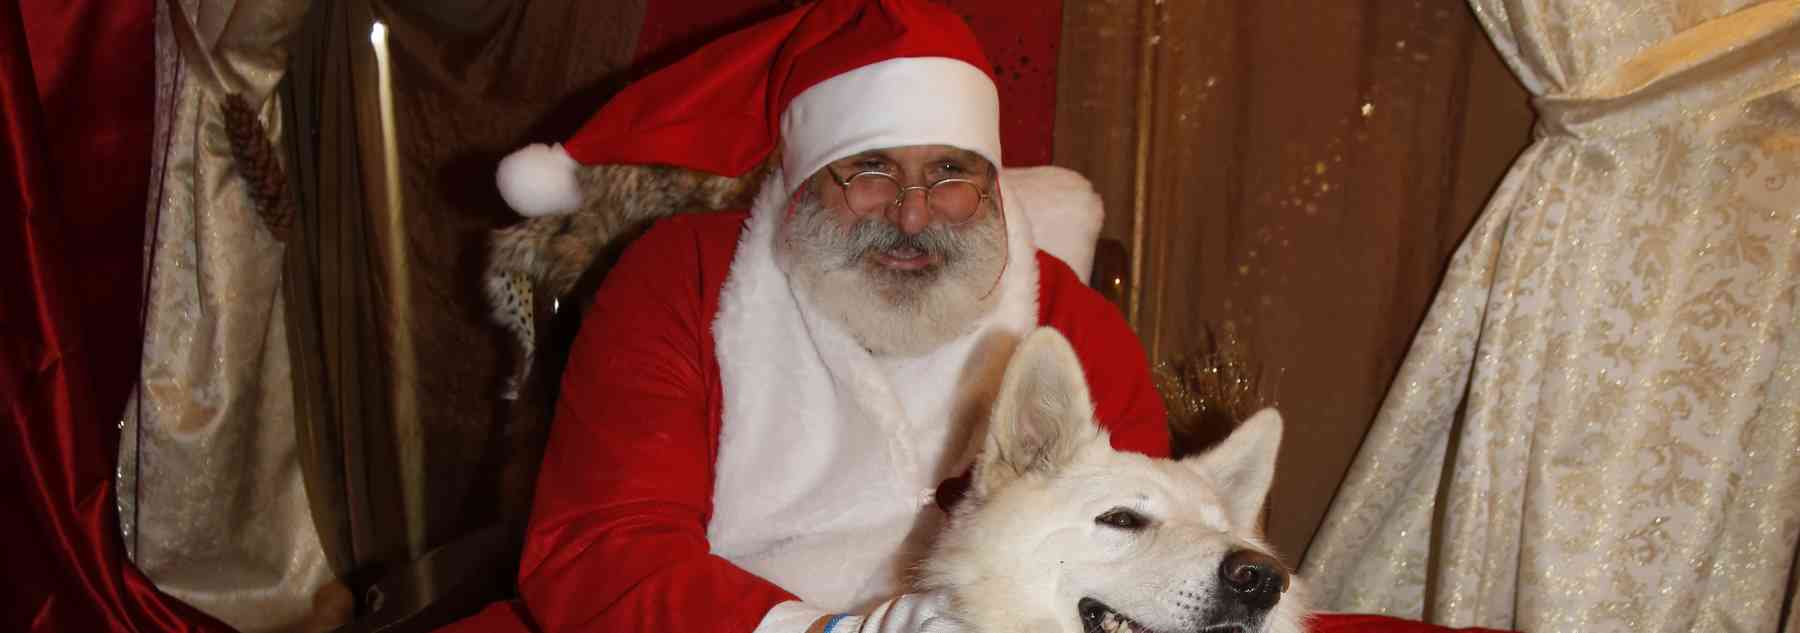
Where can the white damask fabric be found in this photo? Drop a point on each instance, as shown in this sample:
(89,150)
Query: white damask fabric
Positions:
(1598,425)
(212,506)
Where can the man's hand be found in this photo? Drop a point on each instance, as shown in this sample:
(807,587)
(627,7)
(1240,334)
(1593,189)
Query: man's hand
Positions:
(926,612)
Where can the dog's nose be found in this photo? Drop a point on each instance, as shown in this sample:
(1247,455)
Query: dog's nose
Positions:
(1254,578)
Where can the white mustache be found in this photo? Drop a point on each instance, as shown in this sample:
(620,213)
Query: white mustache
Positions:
(870,234)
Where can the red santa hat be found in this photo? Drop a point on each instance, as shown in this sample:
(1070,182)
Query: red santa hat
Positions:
(825,81)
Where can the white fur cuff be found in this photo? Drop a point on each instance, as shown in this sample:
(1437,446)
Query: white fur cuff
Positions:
(1066,214)
(792,616)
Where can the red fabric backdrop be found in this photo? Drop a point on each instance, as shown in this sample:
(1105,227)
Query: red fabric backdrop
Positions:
(76,84)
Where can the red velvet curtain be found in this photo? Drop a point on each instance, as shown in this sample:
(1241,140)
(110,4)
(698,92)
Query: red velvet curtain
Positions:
(76,89)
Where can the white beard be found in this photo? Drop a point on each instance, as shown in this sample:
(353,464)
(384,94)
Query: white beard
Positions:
(892,313)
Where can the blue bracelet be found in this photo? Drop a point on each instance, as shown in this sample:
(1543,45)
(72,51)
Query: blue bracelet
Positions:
(832,622)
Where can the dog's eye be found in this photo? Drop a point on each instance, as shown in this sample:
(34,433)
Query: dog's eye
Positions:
(1122,519)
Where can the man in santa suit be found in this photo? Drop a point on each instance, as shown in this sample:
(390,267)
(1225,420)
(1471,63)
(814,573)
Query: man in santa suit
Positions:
(766,411)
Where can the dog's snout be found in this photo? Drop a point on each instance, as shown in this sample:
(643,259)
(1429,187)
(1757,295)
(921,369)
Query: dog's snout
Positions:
(1254,578)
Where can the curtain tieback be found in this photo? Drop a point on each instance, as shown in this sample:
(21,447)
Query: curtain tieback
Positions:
(1728,60)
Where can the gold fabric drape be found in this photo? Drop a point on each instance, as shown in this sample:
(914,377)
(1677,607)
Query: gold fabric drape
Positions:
(407,446)
(332,299)
(1598,425)
(211,500)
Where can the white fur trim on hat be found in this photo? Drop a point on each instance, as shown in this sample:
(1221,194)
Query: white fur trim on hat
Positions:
(893,103)
(539,180)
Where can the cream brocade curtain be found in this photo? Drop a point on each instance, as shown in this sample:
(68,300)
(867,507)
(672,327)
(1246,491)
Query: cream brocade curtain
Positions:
(1598,425)
(211,502)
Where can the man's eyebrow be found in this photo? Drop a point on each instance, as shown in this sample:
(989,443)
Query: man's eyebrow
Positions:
(959,155)
(873,153)
(967,159)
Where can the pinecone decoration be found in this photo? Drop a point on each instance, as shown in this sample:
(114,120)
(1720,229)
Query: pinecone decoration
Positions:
(258,164)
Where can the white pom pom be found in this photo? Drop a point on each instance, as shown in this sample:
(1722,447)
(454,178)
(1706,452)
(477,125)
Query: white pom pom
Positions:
(539,180)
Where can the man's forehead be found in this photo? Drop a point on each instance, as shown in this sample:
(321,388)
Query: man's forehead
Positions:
(919,152)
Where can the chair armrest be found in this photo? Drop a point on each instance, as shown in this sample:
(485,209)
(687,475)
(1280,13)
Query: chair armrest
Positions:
(445,585)
(1112,273)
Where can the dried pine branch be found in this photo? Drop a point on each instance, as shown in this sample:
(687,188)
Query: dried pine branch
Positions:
(1211,389)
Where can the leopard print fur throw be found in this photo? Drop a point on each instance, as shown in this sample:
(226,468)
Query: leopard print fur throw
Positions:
(543,257)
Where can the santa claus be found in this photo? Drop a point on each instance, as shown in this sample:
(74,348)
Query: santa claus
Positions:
(766,410)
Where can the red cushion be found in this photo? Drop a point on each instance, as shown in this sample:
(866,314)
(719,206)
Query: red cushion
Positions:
(1364,623)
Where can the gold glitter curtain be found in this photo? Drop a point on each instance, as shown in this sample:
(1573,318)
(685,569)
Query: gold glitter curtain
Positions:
(1292,176)
(212,505)
(1598,425)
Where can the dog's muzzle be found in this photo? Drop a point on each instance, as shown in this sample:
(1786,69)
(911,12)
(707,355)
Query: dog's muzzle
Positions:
(1250,585)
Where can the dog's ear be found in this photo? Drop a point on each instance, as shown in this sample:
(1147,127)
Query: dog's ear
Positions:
(1043,415)
(1243,465)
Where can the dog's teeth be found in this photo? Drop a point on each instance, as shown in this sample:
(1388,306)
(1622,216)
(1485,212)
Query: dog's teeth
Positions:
(1115,623)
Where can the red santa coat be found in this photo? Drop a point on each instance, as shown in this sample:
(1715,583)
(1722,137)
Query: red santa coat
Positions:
(634,478)
(618,536)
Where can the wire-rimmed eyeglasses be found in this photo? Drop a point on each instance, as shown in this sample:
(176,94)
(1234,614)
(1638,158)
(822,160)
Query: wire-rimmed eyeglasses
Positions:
(872,192)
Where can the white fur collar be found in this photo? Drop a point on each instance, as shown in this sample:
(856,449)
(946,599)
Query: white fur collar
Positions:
(827,456)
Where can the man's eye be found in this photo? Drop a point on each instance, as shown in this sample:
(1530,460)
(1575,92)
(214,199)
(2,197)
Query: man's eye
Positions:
(952,168)
(1123,519)
(871,164)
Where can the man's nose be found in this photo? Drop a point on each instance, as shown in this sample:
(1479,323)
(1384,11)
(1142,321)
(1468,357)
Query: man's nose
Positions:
(912,215)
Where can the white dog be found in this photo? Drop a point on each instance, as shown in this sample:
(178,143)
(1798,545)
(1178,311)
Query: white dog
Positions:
(1059,533)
